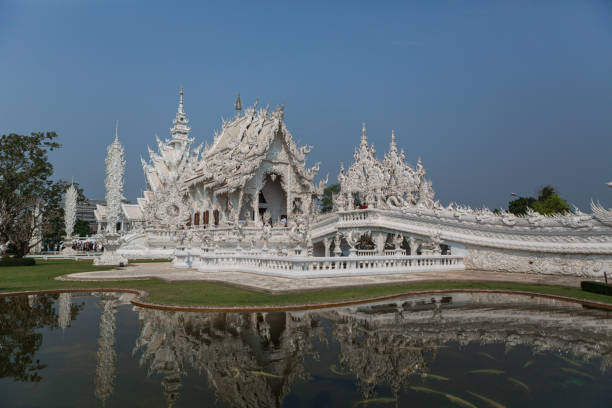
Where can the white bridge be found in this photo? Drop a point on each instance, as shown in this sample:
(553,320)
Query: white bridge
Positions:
(573,244)
(388,241)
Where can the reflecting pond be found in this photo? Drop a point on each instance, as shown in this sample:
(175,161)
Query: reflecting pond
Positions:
(461,350)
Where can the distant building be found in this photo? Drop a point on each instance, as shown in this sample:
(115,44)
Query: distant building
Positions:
(85,212)
(129,218)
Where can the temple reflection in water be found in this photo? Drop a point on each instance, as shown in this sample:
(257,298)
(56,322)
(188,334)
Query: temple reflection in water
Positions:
(374,352)
(252,359)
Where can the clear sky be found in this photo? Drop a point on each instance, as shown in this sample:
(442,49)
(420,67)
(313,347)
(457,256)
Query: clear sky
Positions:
(496,96)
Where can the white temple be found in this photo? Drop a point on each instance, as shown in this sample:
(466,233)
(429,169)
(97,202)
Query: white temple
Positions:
(247,202)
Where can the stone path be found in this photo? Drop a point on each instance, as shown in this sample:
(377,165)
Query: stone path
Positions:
(274,284)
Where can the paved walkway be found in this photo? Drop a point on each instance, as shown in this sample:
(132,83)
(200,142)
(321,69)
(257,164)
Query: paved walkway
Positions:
(274,284)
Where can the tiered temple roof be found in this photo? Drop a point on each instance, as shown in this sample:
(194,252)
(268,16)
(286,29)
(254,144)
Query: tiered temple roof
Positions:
(243,144)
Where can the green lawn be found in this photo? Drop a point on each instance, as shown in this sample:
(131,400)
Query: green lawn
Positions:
(41,276)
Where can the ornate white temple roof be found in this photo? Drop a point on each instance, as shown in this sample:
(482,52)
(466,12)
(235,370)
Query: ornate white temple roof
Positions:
(242,144)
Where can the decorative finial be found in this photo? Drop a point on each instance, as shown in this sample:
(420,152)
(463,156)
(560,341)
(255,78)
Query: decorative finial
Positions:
(281,111)
(238,104)
(393,146)
(364,138)
(117,130)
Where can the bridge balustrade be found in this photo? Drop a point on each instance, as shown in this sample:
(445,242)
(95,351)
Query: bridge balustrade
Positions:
(314,266)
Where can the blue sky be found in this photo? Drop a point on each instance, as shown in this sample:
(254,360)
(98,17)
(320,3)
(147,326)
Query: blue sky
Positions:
(496,96)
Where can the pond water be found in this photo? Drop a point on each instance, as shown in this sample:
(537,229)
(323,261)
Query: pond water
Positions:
(456,350)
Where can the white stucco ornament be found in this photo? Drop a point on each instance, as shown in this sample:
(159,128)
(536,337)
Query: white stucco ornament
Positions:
(168,208)
(392,183)
(111,239)
(115,168)
(70,202)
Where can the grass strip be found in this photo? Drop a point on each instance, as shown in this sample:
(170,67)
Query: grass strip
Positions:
(41,276)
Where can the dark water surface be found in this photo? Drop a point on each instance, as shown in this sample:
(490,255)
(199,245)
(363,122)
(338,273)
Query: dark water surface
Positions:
(458,350)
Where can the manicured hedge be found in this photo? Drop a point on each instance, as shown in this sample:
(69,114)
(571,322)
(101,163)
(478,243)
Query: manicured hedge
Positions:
(17,261)
(596,287)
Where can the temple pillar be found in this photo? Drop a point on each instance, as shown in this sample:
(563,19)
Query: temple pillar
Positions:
(326,243)
(256,207)
(289,198)
(240,197)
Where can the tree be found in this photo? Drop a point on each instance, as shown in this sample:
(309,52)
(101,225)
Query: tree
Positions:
(548,202)
(29,198)
(81,228)
(21,321)
(520,205)
(327,199)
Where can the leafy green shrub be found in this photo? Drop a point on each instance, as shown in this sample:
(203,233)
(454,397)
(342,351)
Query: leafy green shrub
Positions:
(17,261)
(596,287)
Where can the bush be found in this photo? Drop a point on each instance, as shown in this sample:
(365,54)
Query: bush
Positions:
(596,287)
(17,261)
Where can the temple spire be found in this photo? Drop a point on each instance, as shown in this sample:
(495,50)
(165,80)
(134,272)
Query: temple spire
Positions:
(180,130)
(238,103)
(393,147)
(180,107)
(364,137)
(116,130)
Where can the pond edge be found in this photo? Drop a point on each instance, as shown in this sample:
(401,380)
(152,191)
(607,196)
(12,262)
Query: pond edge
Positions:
(141,295)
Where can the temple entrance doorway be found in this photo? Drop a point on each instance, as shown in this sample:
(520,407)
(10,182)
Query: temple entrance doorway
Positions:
(273,199)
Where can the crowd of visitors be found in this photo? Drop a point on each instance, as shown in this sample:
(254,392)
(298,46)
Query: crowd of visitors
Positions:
(87,246)
(82,246)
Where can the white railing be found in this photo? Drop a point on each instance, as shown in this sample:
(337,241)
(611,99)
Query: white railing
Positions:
(76,256)
(309,267)
(355,215)
(392,252)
